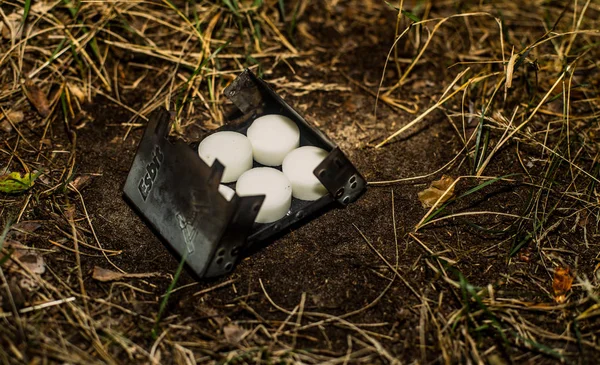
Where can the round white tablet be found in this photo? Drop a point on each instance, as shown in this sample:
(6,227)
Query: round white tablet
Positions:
(232,149)
(271,183)
(273,136)
(227,192)
(298,167)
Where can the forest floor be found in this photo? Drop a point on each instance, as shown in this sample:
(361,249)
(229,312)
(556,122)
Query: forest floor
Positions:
(499,100)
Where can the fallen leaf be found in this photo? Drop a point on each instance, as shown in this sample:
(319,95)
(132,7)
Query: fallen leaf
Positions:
(510,70)
(11,118)
(233,333)
(525,255)
(26,256)
(12,28)
(495,359)
(430,196)
(106,275)
(561,284)
(77,92)
(16,182)
(34,262)
(37,98)
(80,182)
(19,231)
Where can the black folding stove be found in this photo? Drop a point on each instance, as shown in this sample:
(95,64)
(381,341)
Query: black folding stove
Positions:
(176,192)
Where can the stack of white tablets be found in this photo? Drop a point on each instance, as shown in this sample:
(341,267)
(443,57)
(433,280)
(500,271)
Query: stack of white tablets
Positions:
(272,140)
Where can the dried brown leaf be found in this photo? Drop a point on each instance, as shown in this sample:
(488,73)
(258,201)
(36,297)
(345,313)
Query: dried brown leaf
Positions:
(19,231)
(105,275)
(561,284)
(495,359)
(34,262)
(11,118)
(77,91)
(430,196)
(80,182)
(27,257)
(233,333)
(37,98)
(510,70)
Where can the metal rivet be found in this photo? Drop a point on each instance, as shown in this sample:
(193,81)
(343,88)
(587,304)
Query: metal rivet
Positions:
(339,193)
(346,200)
(228,266)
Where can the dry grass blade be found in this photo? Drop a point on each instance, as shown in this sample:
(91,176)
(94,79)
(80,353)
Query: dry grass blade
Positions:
(106,275)
(421,117)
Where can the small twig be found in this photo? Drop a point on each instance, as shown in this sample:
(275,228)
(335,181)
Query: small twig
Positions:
(208,290)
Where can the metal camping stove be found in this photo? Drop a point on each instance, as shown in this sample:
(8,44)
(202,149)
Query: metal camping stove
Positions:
(176,192)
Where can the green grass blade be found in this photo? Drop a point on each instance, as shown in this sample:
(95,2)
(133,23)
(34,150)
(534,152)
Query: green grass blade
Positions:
(477,157)
(179,103)
(65,107)
(26,9)
(292,26)
(165,300)
(282,9)
(469,292)
(232,5)
(407,14)
(540,347)
(485,183)
(72,9)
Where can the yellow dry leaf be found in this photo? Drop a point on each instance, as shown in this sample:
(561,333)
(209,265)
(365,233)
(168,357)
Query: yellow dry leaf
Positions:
(104,275)
(77,91)
(10,118)
(430,196)
(510,70)
(561,284)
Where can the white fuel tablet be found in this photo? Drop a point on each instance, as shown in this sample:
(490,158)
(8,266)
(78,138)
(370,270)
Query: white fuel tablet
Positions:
(271,183)
(298,167)
(273,136)
(232,149)
(227,192)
